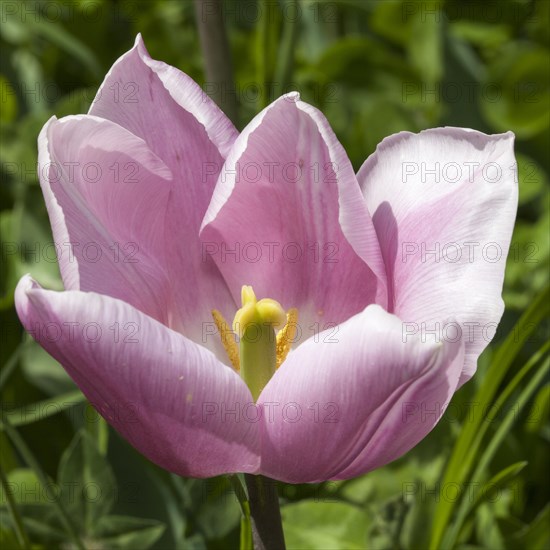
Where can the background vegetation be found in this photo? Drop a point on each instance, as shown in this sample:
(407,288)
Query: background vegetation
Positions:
(480,479)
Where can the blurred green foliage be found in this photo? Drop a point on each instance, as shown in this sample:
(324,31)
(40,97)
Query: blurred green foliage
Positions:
(374,67)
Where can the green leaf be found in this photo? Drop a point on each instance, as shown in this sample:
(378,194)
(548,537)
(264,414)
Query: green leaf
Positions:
(532,178)
(488,530)
(57,506)
(42,524)
(517,94)
(421,511)
(195,542)
(8,105)
(418,28)
(528,261)
(25,487)
(34,412)
(177,521)
(129,532)
(9,501)
(214,506)
(339,62)
(11,364)
(8,538)
(30,76)
(88,485)
(55,33)
(27,246)
(497,482)
(324,525)
(487,36)
(384,17)
(537,25)
(540,412)
(536,536)
(378,118)
(425,46)
(388,482)
(466,56)
(504,427)
(10,265)
(426,475)
(465,450)
(42,370)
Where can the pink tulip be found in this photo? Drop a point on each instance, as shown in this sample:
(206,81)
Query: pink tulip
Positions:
(162,212)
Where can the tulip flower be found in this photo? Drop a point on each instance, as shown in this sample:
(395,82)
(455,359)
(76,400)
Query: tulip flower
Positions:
(246,302)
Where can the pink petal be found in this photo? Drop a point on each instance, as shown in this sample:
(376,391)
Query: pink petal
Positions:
(165,107)
(108,196)
(174,122)
(463,210)
(351,400)
(287,217)
(166,395)
(106,193)
(188,131)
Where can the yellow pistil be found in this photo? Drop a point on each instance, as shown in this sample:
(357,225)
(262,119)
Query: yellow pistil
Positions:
(285,337)
(265,311)
(227,338)
(247,295)
(260,352)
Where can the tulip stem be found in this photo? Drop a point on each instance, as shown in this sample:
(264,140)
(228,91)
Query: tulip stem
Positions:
(217,55)
(287,48)
(265,514)
(262,52)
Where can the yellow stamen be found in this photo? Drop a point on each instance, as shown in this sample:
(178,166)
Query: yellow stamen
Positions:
(286,335)
(227,338)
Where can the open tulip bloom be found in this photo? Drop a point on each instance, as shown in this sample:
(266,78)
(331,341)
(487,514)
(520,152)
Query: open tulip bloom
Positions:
(245,302)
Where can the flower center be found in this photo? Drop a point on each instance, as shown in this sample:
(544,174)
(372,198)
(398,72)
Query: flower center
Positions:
(260,350)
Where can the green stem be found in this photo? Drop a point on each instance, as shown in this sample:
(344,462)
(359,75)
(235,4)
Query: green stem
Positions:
(287,49)
(217,55)
(242,497)
(14,513)
(262,54)
(246,542)
(265,514)
(98,428)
